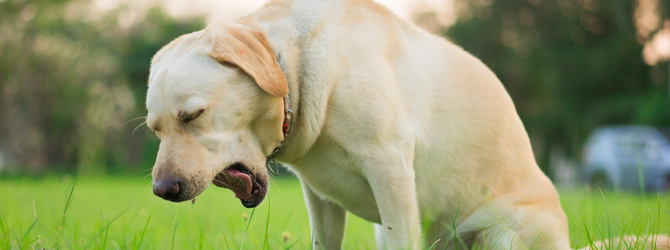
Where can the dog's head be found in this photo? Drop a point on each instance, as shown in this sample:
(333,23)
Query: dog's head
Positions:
(215,101)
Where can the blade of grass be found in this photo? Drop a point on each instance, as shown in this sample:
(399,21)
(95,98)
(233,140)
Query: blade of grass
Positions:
(146,224)
(602,235)
(24,246)
(291,205)
(323,240)
(46,240)
(225,239)
(279,239)
(632,227)
(267,223)
(623,232)
(27,232)
(104,240)
(15,240)
(664,211)
(453,226)
(607,218)
(640,173)
(71,244)
(195,217)
(5,233)
(506,229)
(245,230)
(639,234)
(291,246)
(107,226)
(532,246)
(654,239)
(289,216)
(432,247)
(174,233)
(650,232)
(34,210)
(67,205)
(174,223)
(134,240)
(588,236)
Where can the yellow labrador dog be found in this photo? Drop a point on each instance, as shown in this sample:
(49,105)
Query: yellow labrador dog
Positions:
(388,122)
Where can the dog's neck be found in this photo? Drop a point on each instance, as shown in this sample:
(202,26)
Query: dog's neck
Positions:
(287,54)
(290,39)
(288,63)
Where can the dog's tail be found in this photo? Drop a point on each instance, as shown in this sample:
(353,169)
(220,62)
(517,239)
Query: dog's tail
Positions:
(651,242)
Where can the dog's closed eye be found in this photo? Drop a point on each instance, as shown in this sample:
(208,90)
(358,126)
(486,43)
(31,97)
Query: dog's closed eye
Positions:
(188,117)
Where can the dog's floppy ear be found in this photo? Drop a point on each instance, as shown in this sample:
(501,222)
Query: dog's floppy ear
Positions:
(249,50)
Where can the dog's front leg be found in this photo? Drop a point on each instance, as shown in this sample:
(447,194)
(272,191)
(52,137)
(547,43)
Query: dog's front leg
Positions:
(394,189)
(327,220)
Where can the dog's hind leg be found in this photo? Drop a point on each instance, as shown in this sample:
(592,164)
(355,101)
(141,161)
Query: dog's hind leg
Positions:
(439,235)
(542,229)
(501,225)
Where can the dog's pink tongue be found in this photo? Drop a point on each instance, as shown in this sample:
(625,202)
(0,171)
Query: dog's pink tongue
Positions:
(241,192)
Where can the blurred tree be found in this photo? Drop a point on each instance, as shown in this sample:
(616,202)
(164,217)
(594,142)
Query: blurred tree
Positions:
(569,65)
(135,45)
(68,82)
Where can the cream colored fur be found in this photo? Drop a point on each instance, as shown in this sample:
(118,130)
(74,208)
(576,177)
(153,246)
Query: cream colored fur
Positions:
(393,124)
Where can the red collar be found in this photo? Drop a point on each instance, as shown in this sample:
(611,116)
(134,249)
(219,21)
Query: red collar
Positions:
(286,129)
(285,126)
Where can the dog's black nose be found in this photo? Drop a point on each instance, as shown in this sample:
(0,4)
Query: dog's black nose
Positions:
(167,189)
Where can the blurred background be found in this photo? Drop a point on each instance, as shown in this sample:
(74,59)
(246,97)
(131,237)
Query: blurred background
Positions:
(73,73)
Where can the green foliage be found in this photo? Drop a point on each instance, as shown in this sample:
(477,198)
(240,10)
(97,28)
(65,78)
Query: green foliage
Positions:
(570,66)
(69,80)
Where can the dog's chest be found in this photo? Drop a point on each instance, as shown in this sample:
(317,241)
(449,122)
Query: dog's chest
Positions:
(335,177)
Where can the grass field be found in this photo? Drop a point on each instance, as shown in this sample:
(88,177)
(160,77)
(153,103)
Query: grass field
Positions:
(122,213)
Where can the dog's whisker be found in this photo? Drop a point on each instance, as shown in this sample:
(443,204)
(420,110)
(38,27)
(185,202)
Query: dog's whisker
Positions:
(141,117)
(227,177)
(230,182)
(239,179)
(222,183)
(138,126)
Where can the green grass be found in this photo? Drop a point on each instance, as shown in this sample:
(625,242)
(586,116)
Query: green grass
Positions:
(122,213)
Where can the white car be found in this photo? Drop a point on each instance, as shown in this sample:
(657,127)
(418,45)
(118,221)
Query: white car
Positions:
(628,157)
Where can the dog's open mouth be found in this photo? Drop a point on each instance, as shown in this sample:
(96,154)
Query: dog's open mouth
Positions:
(248,188)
